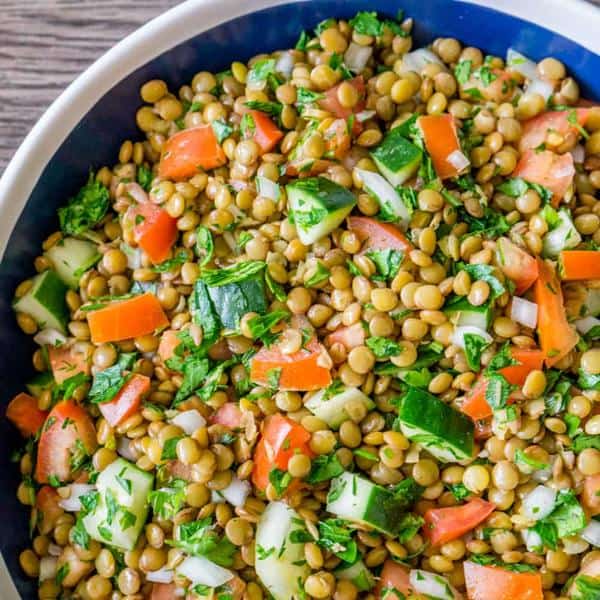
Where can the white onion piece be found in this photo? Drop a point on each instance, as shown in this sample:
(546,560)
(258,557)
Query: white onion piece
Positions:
(539,503)
(134,256)
(238,185)
(591,533)
(578,153)
(201,570)
(163,575)
(124,449)
(48,568)
(229,240)
(586,324)
(532,540)
(515,61)
(574,544)
(235,493)
(365,115)
(542,475)
(458,160)
(189,421)
(458,337)
(356,57)
(432,585)
(49,337)
(72,503)
(54,550)
(524,312)
(418,59)
(541,87)
(267,188)
(285,64)
(137,192)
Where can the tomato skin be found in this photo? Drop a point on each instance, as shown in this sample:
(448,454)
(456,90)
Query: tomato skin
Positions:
(281,439)
(331,103)
(393,576)
(553,171)
(379,236)
(157,231)
(441,140)
(535,130)
(578,265)
(590,496)
(495,583)
(24,413)
(350,336)
(337,139)
(167,345)
(127,401)
(517,264)
(229,414)
(49,511)
(266,133)
(188,151)
(446,524)
(65,362)
(66,423)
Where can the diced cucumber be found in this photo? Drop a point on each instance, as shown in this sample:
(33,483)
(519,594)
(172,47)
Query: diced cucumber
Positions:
(333,410)
(41,382)
(463,314)
(71,258)
(432,585)
(440,429)
(318,206)
(562,236)
(124,486)
(361,501)
(280,563)
(396,158)
(45,302)
(358,574)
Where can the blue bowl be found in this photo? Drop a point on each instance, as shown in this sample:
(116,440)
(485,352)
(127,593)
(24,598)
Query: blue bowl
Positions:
(85,127)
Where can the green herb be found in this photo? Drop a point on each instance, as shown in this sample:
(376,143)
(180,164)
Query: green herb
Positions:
(247,125)
(588,381)
(260,71)
(78,455)
(459,491)
(79,535)
(89,501)
(261,325)
(408,491)
(54,481)
(233,274)
(86,209)
(67,388)
(195,369)
(273,377)
(503,358)
(516,187)
(480,272)
(145,177)
(474,347)
(309,218)
(336,490)
(270,108)
(320,275)
(336,536)
(323,468)
(107,383)
(302,41)
(462,71)
(305,96)
(408,526)
(262,553)
(62,572)
(323,25)
(474,93)
(354,270)
(275,288)
(167,502)
(572,422)
(243,239)
(279,480)
(497,391)
(205,246)
(490,560)
(222,129)
(583,441)
(169,451)
(171,263)
(126,484)
(361,453)
(336,62)
(367,23)
(484,73)
(587,588)
(383,347)
(524,459)
(387,261)
(572,119)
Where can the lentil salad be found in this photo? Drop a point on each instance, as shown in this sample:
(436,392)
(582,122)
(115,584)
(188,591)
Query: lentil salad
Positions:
(328,331)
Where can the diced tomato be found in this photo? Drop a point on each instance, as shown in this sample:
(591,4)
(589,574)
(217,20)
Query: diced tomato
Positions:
(483,429)
(576,265)
(265,133)
(441,140)
(475,405)
(68,432)
(496,583)
(379,236)
(281,439)
(331,104)
(127,401)
(302,371)
(394,577)
(446,524)
(49,511)
(350,336)
(126,319)
(557,337)
(154,230)
(536,130)
(229,414)
(337,139)
(517,264)
(66,361)
(24,413)
(501,89)
(168,342)
(590,496)
(550,170)
(189,151)
(163,591)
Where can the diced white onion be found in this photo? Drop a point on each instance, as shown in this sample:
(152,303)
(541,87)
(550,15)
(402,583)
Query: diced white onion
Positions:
(591,533)
(163,575)
(586,324)
(49,337)
(267,188)
(365,115)
(458,337)
(201,570)
(124,449)
(134,256)
(539,503)
(72,503)
(418,59)
(542,475)
(54,550)
(539,86)
(578,153)
(519,63)
(137,192)
(48,568)
(568,457)
(238,185)
(458,160)
(574,544)
(356,57)
(285,64)
(431,585)
(229,240)
(235,493)
(524,312)
(532,540)
(189,421)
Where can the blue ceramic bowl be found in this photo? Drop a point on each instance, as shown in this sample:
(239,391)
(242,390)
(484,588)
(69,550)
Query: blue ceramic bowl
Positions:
(84,128)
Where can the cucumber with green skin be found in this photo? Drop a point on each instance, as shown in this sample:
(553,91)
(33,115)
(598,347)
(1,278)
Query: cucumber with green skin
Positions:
(361,501)
(396,158)
(462,313)
(71,258)
(318,206)
(332,409)
(358,574)
(45,302)
(443,431)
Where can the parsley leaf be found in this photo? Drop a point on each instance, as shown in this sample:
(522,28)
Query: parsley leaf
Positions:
(462,71)
(305,96)
(270,108)
(171,263)
(86,209)
(261,325)
(497,391)
(531,463)
(205,246)
(279,480)
(320,275)
(583,441)
(459,491)
(383,347)
(474,347)
(145,177)
(222,129)
(167,502)
(366,23)
(323,468)
(107,383)
(233,274)
(387,261)
(408,491)
(260,71)
(480,272)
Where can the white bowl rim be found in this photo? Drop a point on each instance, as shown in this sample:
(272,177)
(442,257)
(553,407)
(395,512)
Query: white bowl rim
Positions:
(574,19)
